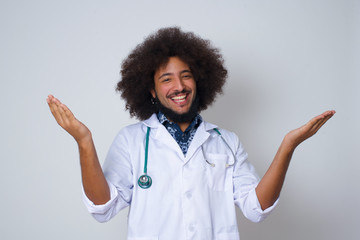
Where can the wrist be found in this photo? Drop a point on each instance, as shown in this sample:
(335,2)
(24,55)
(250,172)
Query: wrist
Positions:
(289,143)
(85,140)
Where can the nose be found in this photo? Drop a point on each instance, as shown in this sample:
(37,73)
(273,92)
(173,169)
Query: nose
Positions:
(178,84)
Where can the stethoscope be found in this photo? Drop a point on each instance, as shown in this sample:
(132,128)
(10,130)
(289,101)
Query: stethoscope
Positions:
(145,180)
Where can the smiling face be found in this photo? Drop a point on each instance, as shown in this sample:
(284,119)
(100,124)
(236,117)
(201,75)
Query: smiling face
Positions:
(175,86)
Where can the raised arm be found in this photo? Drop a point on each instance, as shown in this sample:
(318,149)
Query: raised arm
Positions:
(94,182)
(268,189)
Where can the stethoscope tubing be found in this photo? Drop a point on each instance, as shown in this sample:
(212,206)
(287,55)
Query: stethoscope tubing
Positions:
(146,149)
(145,180)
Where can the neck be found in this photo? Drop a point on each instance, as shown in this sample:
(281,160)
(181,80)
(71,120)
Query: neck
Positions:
(184,126)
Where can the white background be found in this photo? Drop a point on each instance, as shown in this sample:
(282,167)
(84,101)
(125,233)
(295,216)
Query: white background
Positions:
(288,61)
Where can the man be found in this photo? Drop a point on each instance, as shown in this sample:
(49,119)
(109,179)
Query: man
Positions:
(180,175)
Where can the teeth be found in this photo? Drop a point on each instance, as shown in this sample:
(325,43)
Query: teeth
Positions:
(179,97)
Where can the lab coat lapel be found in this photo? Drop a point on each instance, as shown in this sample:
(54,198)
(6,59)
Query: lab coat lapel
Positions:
(164,136)
(201,135)
(159,133)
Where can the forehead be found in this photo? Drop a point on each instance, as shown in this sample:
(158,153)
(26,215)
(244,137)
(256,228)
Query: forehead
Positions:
(173,65)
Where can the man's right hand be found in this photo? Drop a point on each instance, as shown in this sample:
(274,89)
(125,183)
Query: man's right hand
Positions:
(66,119)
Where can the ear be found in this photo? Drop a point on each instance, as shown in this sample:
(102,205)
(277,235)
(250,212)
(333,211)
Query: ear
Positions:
(152,91)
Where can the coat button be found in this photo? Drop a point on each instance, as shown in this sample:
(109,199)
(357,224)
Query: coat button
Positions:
(191,228)
(188,195)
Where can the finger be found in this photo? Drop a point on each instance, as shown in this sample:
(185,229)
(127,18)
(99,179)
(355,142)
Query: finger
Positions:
(319,124)
(59,112)
(62,113)
(49,99)
(67,116)
(67,112)
(327,116)
(321,117)
(328,113)
(55,110)
(309,126)
(316,123)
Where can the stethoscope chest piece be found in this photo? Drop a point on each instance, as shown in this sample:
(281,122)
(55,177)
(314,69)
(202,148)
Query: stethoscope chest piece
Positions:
(144,181)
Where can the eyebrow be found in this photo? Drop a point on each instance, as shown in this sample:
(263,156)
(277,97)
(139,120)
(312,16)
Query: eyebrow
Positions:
(168,74)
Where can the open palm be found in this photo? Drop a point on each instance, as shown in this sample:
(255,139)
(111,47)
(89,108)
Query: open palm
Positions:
(297,136)
(66,119)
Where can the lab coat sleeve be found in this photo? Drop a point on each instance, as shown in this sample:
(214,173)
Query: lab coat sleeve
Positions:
(245,180)
(118,173)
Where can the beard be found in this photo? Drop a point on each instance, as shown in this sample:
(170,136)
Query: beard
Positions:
(180,118)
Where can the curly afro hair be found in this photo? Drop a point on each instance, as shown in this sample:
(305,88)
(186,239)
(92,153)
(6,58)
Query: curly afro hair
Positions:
(138,69)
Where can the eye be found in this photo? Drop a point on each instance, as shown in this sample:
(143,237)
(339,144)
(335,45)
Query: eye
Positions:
(187,76)
(166,80)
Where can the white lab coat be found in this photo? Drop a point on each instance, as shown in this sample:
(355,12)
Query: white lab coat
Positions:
(188,199)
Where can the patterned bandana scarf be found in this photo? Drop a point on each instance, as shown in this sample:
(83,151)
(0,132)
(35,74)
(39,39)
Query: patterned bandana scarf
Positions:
(182,138)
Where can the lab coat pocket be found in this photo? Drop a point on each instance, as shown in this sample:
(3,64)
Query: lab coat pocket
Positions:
(219,175)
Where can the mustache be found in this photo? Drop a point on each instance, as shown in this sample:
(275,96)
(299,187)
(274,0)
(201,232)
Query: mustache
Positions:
(184,91)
